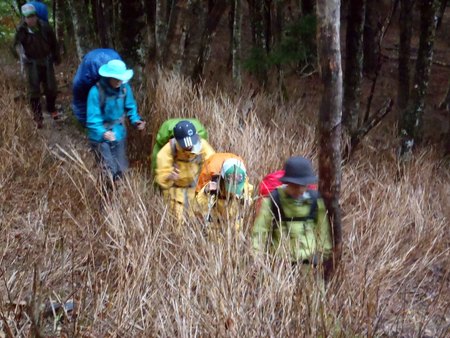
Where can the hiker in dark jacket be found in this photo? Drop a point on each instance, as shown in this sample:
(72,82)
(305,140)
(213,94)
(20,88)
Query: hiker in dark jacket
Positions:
(303,228)
(41,52)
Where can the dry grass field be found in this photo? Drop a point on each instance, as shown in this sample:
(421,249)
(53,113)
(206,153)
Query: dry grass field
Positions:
(129,273)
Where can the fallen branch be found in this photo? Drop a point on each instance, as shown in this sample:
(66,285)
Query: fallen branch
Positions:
(371,123)
(384,29)
(413,58)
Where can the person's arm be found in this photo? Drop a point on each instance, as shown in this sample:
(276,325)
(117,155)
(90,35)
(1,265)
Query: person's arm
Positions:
(324,239)
(207,150)
(203,199)
(262,226)
(164,167)
(94,118)
(18,39)
(131,106)
(54,45)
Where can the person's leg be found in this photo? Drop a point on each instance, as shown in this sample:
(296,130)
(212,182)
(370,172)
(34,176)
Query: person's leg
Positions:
(34,92)
(119,154)
(104,156)
(50,88)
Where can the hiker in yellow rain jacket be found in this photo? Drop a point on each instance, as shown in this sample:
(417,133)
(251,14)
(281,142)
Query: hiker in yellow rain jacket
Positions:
(222,200)
(178,166)
(294,218)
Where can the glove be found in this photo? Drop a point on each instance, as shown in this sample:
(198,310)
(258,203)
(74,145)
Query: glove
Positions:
(174,175)
(140,125)
(211,188)
(109,136)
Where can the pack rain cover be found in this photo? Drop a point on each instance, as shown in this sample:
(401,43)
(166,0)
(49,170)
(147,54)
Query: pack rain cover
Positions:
(86,77)
(41,10)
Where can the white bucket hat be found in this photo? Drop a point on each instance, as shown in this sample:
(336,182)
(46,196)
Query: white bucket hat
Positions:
(117,70)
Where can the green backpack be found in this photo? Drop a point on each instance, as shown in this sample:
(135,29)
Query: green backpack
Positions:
(165,133)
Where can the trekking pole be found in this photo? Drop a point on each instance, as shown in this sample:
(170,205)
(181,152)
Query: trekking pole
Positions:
(212,198)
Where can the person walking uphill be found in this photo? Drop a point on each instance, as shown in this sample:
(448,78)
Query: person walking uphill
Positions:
(294,218)
(41,52)
(109,102)
(222,199)
(178,166)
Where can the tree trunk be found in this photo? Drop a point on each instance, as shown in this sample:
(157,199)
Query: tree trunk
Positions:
(330,114)
(150,9)
(162,11)
(441,13)
(132,25)
(178,33)
(372,31)
(405,24)
(236,46)
(102,16)
(212,21)
(411,123)
(445,104)
(259,39)
(267,22)
(278,35)
(84,38)
(307,6)
(353,65)
(60,16)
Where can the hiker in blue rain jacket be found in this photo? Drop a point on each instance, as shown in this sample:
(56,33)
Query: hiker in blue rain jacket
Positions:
(109,102)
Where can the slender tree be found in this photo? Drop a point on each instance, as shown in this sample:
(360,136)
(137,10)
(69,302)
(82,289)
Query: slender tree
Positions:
(353,65)
(441,12)
(372,30)
(278,28)
(307,6)
(330,114)
(445,104)
(182,34)
(84,38)
(162,13)
(411,124)
(150,9)
(405,24)
(236,45)
(103,21)
(134,47)
(259,38)
(60,15)
(215,13)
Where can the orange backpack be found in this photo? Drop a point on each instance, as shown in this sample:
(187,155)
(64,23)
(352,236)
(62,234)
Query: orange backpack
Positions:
(212,166)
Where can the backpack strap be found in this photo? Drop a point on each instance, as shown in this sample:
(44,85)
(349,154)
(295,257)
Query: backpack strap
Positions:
(197,159)
(278,212)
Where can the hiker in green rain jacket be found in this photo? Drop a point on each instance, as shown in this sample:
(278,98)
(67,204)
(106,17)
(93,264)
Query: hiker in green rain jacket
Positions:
(299,223)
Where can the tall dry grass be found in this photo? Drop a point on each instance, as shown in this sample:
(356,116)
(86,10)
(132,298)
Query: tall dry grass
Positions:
(131,274)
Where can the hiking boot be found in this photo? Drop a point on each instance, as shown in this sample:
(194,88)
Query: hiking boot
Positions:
(39,124)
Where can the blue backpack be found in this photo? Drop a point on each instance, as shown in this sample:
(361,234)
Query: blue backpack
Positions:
(86,77)
(41,10)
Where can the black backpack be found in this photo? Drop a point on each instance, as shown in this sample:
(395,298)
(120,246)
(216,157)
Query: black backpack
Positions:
(278,212)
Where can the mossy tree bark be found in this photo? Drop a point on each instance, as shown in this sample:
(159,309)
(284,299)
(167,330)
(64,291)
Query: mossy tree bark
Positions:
(353,65)
(404,54)
(330,114)
(411,123)
(84,37)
